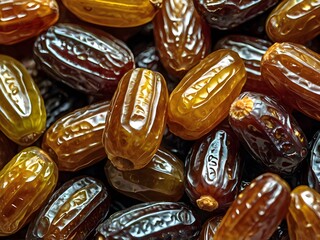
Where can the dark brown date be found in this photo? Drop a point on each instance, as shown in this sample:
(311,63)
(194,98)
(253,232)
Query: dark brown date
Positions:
(85,59)
(314,164)
(209,228)
(269,132)
(151,221)
(72,212)
(213,169)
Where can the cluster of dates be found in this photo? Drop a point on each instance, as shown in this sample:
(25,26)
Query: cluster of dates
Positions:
(159,119)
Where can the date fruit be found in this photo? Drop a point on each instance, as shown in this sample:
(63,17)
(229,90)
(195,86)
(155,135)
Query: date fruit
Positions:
(209,228)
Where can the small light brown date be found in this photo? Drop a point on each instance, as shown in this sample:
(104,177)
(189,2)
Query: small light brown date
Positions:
(304,214)
(292,71)
(75,140)
(257,211)
(72,212)
(26,182)
(136,120)
(161,180)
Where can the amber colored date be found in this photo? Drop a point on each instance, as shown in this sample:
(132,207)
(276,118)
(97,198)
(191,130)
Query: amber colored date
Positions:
(228,14)
(294,21)
(314,164)
(136,122)
(304,214)
(22,19)
(115,13)
(22,113)
(203,97)
(153,220)
(293,73)
(72,212)
(182,37)
(25,184)
(75,140)
(257,211)
(161,180)
(85,59)
(213,169)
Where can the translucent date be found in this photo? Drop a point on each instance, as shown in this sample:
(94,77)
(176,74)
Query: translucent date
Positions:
(294,21)
(152,221)
(73,211)
(292,71)
(22,113)
(161,180)
(182,37)
(228,14)
(26,182)
(21,19)
(114,13)
(304,214)
(75,140)
(257,211)
(314,164)
(85,59)
(203,97)
(213,169)
(136,122)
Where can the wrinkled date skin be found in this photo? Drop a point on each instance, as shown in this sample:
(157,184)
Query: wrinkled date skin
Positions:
(151,221)
(136,122)
(22,113)
(73,211)
(251,50)
(202,98)
(7,150)
(209,228)
(294,21)
(304,214)
(213,169)
(314,164)
(85,59)
(257,211)
(161,180)
(182,37)
(75,140)
(21,19)
(228,14)
(26,182)
(114,13)
(269,132)
(293,73)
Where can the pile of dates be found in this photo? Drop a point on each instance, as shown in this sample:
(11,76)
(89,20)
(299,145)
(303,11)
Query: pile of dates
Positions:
(160,119)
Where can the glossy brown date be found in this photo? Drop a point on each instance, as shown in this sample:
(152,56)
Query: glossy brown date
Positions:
(136,122)
(203,97)
(292,71)
(209,228)
(161,180)
(269,132)
(257,211)
(304,214)
(182,37)
(75,140)
(85,59)
(72,212)
(213,169)
(294,21)
(153,220)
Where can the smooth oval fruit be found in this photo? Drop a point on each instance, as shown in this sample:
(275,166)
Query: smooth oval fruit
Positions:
(257,211)
(75,140)
(114,13)
(21,19)
(26,182)
(294,21)
(72,212)
(153,220)
(203,97)
(292,71)
(22,113)
(161,180)
(304,214)
(136,122)
(86,59)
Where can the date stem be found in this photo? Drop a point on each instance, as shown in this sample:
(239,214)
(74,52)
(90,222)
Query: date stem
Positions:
(207,203)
